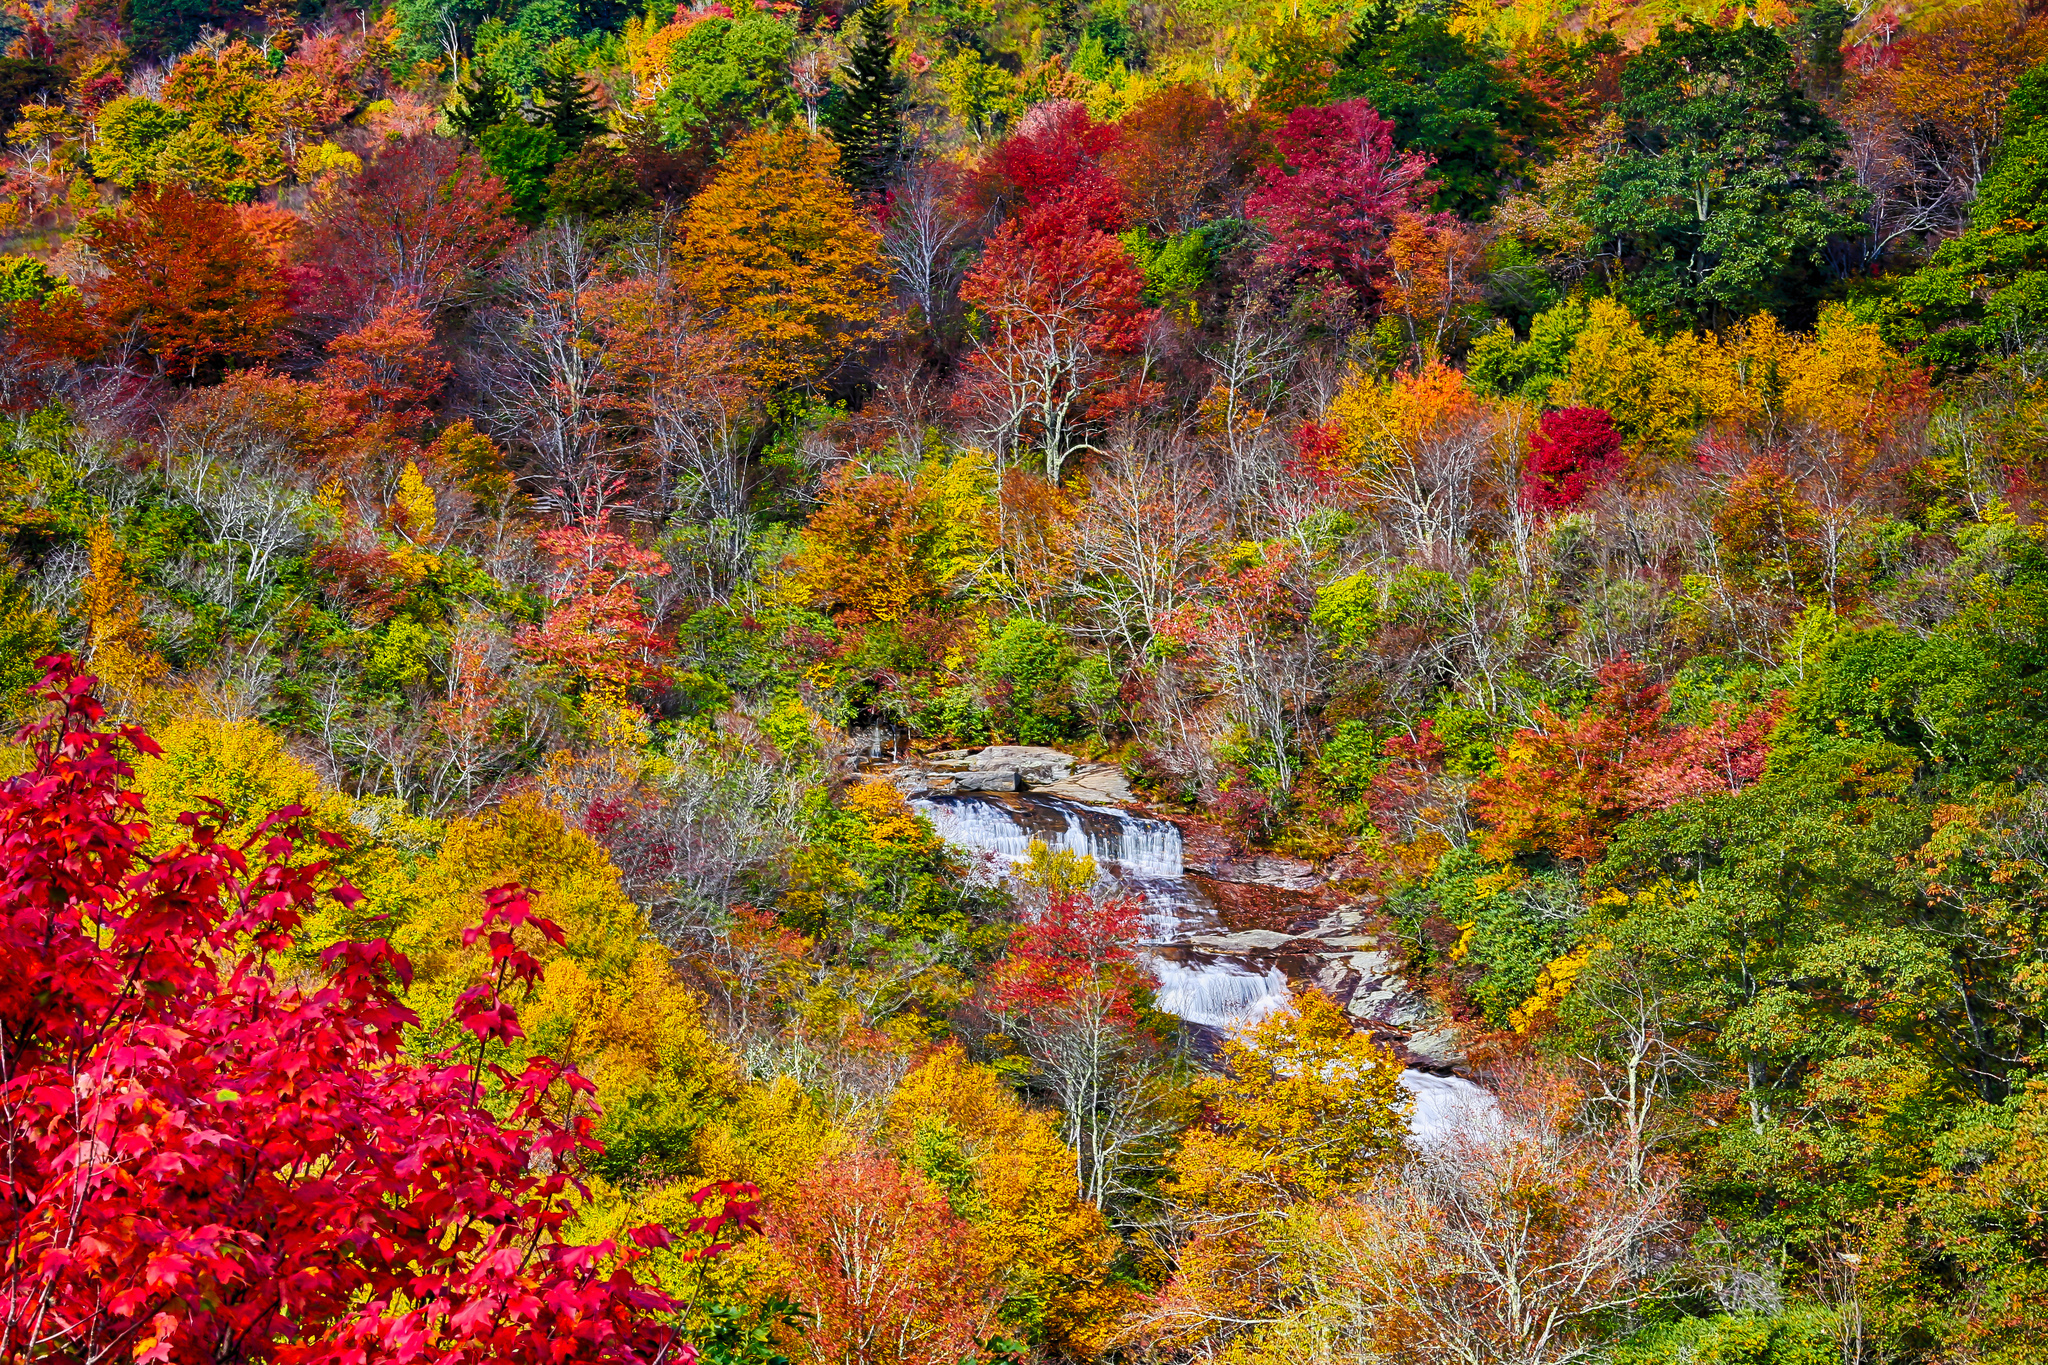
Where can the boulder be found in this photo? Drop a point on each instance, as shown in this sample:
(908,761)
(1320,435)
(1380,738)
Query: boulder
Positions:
(1004,780)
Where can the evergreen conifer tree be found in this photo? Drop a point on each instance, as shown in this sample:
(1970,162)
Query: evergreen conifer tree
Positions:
(565,106)
(481,100)
(866,119)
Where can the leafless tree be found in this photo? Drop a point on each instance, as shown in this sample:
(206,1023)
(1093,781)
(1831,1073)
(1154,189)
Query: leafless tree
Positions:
(1515,1242)
(1139,543)
(546,377)
(924,236)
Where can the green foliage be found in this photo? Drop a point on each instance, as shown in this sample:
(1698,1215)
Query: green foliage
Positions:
(1967,700)
(1174,268)
(1511,924)
(725,75)
(523,155)
(873,879)
(1732,181)
(1985,293)
(26,635)
(480,101)
(594,183)
(1804,1335)
(1445,98)
(132,133)
(1027,664)
(564,103)
(865,115)
(1499,363)
(24,279)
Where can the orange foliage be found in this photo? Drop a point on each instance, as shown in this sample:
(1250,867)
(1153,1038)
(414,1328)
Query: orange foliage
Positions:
(890,1274)
(868,552)
(1563,786)
(387,372)
(1432,281)
(186,276)
(780,255)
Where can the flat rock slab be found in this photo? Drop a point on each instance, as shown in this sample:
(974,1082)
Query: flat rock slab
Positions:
(997,780)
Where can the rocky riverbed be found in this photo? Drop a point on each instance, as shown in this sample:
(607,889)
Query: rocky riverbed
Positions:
(1230,933)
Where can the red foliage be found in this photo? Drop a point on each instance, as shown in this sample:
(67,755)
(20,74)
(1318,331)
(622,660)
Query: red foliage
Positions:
(596,626)
(209,1159)
(1571,452)
(1181,155)
(1564,786)
(890,1274)
(388,372)
(1055,158)
(187,277)
(1332,202)
(1319,457)
(1060,304)
(422,221)
(1079,947)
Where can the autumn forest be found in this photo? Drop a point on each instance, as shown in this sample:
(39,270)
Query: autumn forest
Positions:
(940,682)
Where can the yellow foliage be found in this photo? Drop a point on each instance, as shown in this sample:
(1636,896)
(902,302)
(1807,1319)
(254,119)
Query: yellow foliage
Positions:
(1824,387)
(242,764)
(1305,1108)
(412,507)
(1055,1248)
(888,817)
(773,1137)
(1061,872)
(777,250)
(117,646)
(1653,390)
(1552,986)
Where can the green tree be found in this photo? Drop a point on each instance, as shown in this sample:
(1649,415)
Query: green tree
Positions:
(866,115)
(1732,181)
(1445,98)
(595,183)
(724,76)
(1985,293)
(133,132)
(565,104)
(480,101)
(523,156)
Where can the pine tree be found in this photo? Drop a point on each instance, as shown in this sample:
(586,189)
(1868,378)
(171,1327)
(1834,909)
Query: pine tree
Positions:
(481,100)
(565,106)
(867,118)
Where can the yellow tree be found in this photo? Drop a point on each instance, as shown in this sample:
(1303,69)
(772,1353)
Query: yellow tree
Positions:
(1010,1175)
(1305,1110)
(1304,1106)
(117,645)
(778,254)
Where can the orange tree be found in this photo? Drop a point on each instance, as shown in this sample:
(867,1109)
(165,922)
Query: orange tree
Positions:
(186,278)
(778,253)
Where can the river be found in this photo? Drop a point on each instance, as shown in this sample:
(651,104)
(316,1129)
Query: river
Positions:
(1215,975)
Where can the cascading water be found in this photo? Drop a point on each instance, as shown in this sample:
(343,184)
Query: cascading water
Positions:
(1003,827)
(1217,990)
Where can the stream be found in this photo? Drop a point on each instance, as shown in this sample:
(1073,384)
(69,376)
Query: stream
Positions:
(1214,976)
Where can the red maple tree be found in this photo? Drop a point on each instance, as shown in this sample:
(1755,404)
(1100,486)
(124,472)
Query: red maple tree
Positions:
(1571,452)
(186,278)
(1332,201)
(1056,155)
(204,1157)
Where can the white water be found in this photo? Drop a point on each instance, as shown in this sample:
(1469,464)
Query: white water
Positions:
(1217,991)
(1445,1106)
(1223,994)
(1118,841)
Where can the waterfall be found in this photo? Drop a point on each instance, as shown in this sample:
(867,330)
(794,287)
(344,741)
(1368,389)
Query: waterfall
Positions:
(1217,991)
(1223,994)
(1003,827)
(1447,1106)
